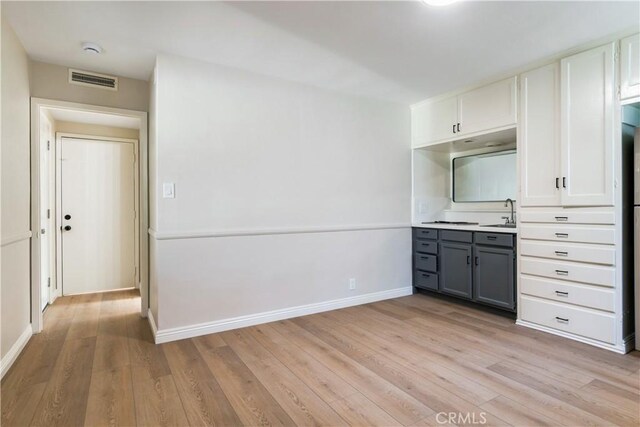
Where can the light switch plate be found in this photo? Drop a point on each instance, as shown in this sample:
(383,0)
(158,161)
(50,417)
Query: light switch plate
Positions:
(168,190)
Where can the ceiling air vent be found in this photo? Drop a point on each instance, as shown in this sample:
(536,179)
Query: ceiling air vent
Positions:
(85,78)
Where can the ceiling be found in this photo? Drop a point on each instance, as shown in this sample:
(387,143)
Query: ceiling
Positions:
(399,51)
(94,118)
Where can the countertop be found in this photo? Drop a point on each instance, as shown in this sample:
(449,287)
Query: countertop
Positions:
(477,227)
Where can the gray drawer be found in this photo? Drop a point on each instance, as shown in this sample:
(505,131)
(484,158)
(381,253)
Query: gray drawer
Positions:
(422,279)
(426,262)
(425,233)
(425,246)
(457,236)
(495,239)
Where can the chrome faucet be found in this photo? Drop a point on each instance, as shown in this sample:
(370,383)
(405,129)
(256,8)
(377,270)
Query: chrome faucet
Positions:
(511,220)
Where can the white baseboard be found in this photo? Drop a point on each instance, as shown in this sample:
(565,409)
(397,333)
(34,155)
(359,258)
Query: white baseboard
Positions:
(174,334)
(152,323)
(618,349)
(15,350)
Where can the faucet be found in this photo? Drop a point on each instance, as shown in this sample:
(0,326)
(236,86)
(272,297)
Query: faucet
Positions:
(511,220)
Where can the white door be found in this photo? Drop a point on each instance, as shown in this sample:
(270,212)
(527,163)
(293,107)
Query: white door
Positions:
(489,107)
(630,67)
(98,214)
(434,121)
(587,131)
(45,212)
(539,136)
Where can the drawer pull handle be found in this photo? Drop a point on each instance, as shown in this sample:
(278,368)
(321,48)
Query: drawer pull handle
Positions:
(426,275)
(562,294)
(562,272)
(562,253)
(562,319)
(562,235)
(562,218)
(492,237)
(468,259)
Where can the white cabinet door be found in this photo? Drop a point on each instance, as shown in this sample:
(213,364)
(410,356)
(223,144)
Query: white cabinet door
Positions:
(587,136)
(489,107)
(630,67)
(539,137)
(434,121)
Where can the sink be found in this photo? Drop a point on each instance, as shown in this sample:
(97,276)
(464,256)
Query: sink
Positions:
(500,225)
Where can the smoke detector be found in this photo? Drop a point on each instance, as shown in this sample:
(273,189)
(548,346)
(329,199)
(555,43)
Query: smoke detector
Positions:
(92,48)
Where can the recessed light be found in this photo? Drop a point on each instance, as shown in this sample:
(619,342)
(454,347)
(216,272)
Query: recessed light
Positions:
(438,2)
(91,48)
(493,144)
(468,141)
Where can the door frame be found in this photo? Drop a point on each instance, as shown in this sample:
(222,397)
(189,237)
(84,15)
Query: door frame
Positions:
(142,172)
(58,199)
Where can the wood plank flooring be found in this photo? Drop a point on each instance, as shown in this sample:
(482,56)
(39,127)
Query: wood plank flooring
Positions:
(413,361)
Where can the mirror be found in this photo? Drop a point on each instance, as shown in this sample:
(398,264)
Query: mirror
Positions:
(488,177)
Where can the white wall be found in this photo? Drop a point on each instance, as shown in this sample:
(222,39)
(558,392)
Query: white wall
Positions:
(15,292)
(251,154)
(51,81)
(96,130)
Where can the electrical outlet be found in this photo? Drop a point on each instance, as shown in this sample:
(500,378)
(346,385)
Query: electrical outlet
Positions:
(422,208)
(352,284)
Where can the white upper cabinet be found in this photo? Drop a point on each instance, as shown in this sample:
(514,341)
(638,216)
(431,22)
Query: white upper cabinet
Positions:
(434,120)
(539,137)
(566,131)
(486,109)
(587,132)
(630,67)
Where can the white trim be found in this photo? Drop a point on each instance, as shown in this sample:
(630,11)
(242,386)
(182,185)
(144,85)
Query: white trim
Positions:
(15,350)
(595,343)
(152,324)
(198,234)
(16,238)
(183,332)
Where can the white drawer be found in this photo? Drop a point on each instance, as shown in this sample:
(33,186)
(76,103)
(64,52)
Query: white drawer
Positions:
(568,233)
(568,216)
(572,293)
(597,254)
(576,272)
(574,320)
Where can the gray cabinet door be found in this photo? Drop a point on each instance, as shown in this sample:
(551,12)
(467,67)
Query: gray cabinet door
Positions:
(494,277)
(455,269)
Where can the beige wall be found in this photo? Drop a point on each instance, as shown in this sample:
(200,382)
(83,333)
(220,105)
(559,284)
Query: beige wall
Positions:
(15,289)
(249,153)
(96,130)
(52,82)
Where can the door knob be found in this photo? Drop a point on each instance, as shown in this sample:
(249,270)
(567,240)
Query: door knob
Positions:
(67,217)
(67,227)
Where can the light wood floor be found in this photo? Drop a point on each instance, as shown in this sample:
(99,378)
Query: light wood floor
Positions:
(398,362)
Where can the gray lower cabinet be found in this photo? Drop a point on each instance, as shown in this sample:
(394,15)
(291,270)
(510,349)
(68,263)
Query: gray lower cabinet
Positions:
(477,266)
(494,276)
(455,269)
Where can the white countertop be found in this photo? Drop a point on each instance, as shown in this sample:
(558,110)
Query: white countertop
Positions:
(477,227)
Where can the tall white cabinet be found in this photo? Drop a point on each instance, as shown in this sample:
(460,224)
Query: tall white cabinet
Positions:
(571,268)
(567,131)
(587,128)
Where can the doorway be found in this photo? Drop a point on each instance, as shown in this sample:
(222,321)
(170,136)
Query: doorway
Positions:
(89,202)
